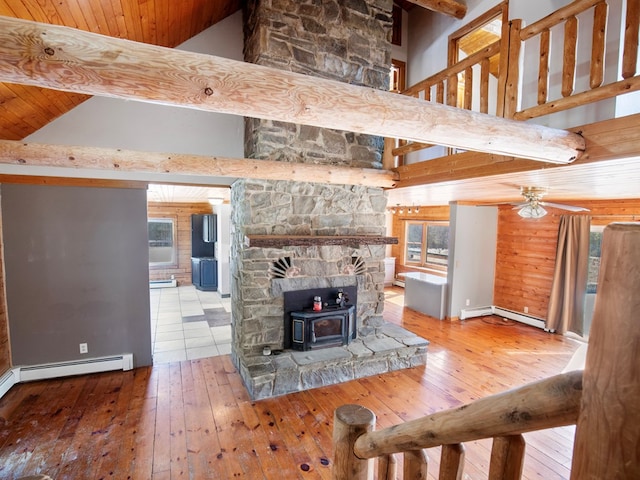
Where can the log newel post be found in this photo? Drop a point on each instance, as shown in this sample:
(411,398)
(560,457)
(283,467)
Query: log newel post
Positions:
(608,427)
(350,422)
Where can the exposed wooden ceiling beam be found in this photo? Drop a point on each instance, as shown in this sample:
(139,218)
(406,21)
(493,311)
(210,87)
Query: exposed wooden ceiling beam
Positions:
(452,8)
(607,140)
(66,59)
(71,161)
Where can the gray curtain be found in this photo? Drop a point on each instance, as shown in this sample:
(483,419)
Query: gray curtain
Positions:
(566,304)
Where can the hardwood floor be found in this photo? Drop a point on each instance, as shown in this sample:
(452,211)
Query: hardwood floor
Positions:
(193,419)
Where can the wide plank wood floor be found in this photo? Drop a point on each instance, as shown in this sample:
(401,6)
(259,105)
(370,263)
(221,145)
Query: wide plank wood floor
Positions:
(194,419)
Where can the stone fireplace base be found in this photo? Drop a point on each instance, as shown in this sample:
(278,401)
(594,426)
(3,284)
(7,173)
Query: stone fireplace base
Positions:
(387,348)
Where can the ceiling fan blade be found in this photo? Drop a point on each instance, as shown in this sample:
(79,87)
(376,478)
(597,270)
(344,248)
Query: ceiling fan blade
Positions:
(571,208)
(497,204)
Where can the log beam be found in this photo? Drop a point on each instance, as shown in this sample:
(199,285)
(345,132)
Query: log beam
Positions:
(77,162)
(607,140)
(452,8)
(71,60)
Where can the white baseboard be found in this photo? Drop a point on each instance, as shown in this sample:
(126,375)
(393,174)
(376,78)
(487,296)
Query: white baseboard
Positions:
(518,317)
(8,380)
(64,369)
(473,312)
(163,283)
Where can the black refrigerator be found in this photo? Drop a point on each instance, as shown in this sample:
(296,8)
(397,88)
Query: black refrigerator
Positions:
(204,266)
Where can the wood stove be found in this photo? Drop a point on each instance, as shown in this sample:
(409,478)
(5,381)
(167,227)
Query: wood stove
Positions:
(333,325)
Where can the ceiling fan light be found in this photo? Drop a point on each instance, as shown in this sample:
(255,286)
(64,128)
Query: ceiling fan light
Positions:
(532,211)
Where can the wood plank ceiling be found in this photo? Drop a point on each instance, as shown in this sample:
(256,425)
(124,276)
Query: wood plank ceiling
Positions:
(167,23)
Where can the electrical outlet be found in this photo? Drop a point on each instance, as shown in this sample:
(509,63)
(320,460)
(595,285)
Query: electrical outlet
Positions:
(468,302)
(84,348)
(526,309)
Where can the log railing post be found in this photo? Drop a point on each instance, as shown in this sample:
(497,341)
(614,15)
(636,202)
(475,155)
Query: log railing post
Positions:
(451,462)
(608,427)
(349,422)
(415,465)
(507,458)
(387,467)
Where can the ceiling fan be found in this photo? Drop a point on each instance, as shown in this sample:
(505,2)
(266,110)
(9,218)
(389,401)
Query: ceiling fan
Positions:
(532,207)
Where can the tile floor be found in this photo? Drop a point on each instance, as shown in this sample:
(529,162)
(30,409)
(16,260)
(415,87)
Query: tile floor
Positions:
(176,329)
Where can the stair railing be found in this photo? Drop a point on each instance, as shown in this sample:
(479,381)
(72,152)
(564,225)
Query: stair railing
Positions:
(548,403)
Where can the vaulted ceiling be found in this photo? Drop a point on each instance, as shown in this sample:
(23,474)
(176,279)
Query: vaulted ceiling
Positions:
(25,109)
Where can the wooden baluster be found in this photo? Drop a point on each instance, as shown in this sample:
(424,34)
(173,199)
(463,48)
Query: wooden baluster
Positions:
(427,94)
(569,62)
(468,88)
(543,69)
(630,54)
(485,66)
(513,70)
(608,432)
(415,465)
(349,422)
(440,92)
(452,90)
(387,467)
(596,76)
(451,462)
(507,458)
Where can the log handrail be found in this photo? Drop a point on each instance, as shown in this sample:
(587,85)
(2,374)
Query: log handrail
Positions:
(548,403)
(598,89)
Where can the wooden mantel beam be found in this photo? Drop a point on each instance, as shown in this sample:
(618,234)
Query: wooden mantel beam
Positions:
(452,8)
(71,161)
(67,59)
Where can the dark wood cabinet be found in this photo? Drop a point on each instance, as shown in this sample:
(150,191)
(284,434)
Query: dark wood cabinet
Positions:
(204,273)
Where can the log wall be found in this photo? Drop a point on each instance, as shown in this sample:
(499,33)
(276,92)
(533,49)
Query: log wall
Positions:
(526,252)
(181,213)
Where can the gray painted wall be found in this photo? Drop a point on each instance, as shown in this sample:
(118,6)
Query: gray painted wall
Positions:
(76,272)
(473,235)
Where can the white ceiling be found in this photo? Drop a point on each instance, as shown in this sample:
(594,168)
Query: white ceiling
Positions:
(613,179)
(185,193)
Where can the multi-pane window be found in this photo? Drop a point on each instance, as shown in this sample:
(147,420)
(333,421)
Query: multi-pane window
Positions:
(162,249)
(427,244)
(595,247)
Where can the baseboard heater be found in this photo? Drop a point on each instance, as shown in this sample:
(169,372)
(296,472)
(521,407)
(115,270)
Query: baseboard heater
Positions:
(163,283)
(65,369)
(502,312)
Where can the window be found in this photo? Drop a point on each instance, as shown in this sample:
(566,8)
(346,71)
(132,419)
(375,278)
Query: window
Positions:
(427,244)
(162,245)
(595,247)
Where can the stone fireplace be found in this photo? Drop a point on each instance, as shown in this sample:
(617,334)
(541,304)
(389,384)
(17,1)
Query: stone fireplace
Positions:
(347,41)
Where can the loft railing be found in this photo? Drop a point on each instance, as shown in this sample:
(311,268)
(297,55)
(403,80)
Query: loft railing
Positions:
(549,403)
(602,84)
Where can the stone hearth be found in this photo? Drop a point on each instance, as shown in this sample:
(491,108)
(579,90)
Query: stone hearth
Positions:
(385,349)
